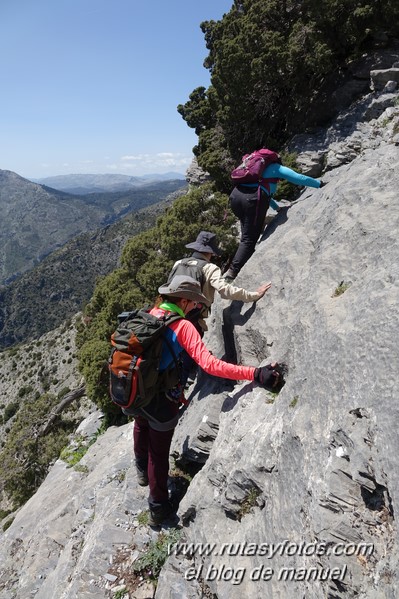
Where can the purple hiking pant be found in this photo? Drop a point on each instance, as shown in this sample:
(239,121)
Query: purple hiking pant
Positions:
(151,450)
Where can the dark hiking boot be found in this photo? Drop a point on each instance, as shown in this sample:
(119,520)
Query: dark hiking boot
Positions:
(162,513)
(229,276)
(142,476)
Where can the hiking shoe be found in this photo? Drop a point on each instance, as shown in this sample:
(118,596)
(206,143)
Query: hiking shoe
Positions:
(190,381)
(229,276)
(161,513)
(142,476)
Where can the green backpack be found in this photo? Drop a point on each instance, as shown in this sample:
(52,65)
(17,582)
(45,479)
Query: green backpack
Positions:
(134,377)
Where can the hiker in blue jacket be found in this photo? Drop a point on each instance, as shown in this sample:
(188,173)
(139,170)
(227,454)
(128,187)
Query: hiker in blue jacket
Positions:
(251,204)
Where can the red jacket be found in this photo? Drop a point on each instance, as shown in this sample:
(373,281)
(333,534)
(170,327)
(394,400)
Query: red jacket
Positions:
(183,335)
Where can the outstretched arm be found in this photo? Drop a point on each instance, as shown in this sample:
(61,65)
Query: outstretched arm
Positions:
(279,171)
(189,338)
(214,278)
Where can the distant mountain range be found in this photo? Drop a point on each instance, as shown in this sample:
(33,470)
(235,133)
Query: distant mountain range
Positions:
(36,219)
(56,289)
(86,183)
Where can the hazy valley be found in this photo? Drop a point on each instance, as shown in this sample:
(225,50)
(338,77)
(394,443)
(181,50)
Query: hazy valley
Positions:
(36,220)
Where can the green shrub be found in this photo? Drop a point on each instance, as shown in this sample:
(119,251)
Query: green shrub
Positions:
(4,514)
(8,524)
(10,410)
(73,455)
(151,562)
(63,392)
(25,455)
(341,288)
(143,517)
(249,502)
(294,401)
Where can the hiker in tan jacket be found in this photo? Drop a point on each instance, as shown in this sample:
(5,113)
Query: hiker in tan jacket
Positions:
(200,267)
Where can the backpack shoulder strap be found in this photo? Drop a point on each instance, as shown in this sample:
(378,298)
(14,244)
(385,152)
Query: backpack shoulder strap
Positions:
(191,266)
(168,320)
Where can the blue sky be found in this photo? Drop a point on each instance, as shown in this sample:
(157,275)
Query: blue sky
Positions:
(91,86)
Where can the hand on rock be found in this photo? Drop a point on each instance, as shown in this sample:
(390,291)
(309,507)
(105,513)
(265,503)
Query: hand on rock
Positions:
(271,376)
(263,288)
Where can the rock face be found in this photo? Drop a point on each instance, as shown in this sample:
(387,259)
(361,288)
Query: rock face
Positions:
(48,553)
(195,175)
(298,492)
(317,464)
(370,121)
(381,77)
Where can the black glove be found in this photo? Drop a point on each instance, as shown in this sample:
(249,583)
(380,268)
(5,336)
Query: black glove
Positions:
(322,184)
(270,377)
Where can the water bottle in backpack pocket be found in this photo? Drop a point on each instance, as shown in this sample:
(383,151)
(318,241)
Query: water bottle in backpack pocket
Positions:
(122,378)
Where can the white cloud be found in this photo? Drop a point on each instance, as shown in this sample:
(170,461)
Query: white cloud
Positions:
(152,163)
(138,157)
(128,164)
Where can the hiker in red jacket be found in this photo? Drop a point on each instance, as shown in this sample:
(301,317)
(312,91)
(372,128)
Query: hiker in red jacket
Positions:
(154,424)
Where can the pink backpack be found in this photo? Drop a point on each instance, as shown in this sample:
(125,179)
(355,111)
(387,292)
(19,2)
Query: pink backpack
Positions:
(252,166)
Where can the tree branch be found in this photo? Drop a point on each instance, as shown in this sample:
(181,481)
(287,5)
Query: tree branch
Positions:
(56,411)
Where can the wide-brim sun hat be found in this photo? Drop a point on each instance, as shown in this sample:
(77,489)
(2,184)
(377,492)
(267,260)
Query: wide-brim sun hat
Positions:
(184,287)
(206,243)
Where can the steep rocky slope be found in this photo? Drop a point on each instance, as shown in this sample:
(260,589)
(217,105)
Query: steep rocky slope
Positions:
(46,365)
(307,480)
(317,464)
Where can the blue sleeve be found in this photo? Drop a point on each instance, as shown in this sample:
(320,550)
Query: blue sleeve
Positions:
(279,171)
(273,204)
